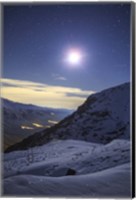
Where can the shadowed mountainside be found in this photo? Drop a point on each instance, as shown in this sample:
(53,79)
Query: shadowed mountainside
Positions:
(102,118)
(22,120)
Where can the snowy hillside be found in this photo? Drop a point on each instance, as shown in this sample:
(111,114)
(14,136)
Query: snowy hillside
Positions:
(99,170)
(102,118)
(85,155)
(22,120)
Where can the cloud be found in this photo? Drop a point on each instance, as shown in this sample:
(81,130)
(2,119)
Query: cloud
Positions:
(76,95)
(20,83)
(43,94)
(58,77)
(61,78)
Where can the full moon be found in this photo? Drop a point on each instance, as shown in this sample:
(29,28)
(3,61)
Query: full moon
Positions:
(74,57)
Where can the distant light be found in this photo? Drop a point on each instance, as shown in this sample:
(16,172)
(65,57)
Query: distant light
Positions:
(52,122)
(26,127)
(37,125)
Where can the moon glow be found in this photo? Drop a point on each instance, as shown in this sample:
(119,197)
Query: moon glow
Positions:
(74,57)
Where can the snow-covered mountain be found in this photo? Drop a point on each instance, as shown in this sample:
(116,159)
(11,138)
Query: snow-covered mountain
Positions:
(22,120)
(102,118)
(85,155)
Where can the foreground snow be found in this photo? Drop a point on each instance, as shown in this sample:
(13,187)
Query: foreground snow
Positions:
(114,182)
(101,170)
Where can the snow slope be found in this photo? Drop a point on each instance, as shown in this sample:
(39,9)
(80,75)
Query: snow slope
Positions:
(101,170)
(104,116)
(112,183)
(22,120)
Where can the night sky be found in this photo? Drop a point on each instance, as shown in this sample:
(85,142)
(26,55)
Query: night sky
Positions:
(36,39)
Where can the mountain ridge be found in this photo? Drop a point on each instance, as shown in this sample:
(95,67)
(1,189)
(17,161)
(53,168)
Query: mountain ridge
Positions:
(104,116)
(31,105)
(22,120)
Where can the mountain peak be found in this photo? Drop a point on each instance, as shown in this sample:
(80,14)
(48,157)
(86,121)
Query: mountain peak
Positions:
(103,117)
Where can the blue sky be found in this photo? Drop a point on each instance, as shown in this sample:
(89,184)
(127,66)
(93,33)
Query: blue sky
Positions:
(37,39)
